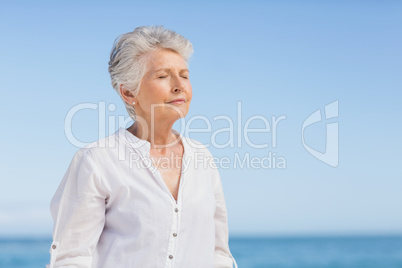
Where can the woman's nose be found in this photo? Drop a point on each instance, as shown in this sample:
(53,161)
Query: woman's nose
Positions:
(178,85)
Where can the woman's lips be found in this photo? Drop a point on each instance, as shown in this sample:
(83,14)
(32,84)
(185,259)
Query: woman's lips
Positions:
(178,101)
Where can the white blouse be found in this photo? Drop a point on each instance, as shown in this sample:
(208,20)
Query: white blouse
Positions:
(113,209)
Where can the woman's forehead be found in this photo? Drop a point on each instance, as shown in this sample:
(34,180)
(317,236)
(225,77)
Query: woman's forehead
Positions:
(166,60)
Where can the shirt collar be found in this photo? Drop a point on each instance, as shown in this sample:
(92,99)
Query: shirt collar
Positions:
(143,145)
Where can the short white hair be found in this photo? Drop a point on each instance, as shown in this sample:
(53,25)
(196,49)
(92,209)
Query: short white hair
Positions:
(128,59)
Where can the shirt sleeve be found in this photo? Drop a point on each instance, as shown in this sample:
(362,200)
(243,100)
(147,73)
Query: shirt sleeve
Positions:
(78,211)
(223,257)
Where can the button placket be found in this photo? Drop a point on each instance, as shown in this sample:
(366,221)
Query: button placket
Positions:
(172,238)
(176,206)
(53,253)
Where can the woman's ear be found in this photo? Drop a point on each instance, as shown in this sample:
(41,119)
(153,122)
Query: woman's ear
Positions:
(127,95)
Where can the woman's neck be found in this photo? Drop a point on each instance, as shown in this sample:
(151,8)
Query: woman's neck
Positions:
(159,136)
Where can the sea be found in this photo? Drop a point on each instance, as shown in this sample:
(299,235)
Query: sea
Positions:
(254,252)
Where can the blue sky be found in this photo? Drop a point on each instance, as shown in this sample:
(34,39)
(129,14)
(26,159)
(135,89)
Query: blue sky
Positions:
(277,58)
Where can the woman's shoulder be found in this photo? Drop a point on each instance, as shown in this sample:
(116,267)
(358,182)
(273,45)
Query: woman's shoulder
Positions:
(101,147)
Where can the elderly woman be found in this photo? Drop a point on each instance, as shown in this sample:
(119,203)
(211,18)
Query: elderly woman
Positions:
(145,196)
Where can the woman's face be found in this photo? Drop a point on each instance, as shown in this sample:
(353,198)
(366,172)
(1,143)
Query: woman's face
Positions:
(166,80)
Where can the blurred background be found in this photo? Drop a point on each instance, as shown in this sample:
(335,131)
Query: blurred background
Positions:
(272,59)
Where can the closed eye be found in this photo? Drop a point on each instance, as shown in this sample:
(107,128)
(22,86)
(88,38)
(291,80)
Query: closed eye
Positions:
(162,76)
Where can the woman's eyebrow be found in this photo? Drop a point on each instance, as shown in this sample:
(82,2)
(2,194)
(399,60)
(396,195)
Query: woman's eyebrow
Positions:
(169,70)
